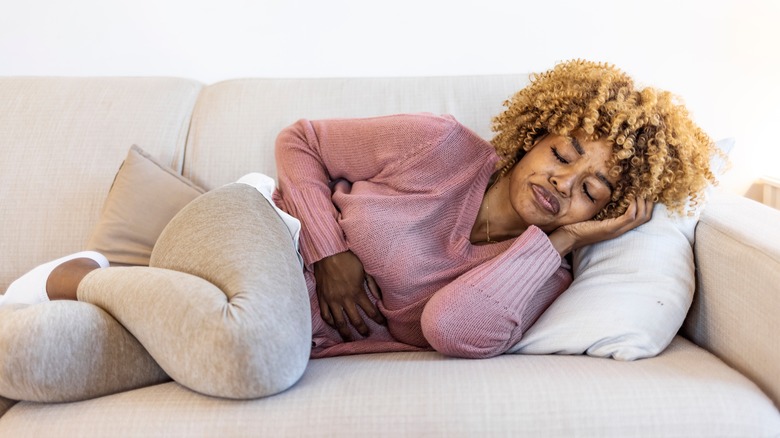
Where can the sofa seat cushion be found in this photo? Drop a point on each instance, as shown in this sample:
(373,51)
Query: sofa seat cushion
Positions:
(685,391)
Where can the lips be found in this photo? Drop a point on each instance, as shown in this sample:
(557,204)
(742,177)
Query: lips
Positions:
(546,200)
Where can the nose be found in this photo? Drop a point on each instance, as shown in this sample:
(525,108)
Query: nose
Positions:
(563,183)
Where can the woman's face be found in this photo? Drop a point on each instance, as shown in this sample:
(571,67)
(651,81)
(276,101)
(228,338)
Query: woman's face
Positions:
(561,181)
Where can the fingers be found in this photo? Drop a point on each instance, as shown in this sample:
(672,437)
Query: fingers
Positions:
(589,232)
(371,310)
(341,293)
(342,318)
(373,287)
(333,315)
(648,209)
(355,319)
(631,210)
(340,324)
(644,210)
(640,211)
(325,311)
(335,318)
(346,312)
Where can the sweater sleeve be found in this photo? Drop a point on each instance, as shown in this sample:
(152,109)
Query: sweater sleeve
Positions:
(312,155)
(486,310)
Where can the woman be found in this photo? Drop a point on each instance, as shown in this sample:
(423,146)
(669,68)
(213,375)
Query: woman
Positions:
(416,233)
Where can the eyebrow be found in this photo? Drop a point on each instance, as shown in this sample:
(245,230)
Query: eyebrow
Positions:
(604,179)
(599,175)
(577,145)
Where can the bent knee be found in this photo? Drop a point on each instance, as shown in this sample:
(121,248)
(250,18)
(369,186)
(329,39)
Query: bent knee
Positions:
(243,366)
(253,376)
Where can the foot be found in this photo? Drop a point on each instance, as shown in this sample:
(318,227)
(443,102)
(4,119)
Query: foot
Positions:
(57,279)
(63,282)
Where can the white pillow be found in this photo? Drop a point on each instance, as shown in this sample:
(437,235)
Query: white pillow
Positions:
(629,296)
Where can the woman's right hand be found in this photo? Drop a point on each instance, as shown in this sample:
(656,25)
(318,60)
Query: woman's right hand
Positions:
(570,237)
(340,279)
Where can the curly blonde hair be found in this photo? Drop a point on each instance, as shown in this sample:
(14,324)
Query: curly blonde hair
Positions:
(658,152)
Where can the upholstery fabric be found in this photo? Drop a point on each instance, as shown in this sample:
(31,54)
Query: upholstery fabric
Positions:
(65,350)
(735,313)
(684,392)
(223,307)
(244,116)
(143,198)
(61,142)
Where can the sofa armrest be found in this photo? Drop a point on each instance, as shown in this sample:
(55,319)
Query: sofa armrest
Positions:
(737,303)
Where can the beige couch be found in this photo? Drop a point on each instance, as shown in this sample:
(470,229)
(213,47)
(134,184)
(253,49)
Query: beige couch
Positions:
(62,140)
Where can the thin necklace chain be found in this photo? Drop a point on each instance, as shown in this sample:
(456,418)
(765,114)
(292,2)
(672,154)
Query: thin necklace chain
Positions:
(487,209)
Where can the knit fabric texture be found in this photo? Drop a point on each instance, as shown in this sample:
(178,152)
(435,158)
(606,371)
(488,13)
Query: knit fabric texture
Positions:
(402,193)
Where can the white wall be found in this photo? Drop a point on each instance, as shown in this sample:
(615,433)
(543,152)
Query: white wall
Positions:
(721,56)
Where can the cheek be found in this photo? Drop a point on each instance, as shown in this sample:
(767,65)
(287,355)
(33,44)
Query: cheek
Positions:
(585,210)
(521,170)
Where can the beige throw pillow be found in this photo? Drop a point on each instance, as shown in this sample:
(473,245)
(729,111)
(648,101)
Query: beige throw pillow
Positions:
(143,198)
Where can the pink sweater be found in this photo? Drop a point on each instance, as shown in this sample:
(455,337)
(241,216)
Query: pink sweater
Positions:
(402,193)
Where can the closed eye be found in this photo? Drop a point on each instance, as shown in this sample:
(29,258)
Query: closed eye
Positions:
(558,156)
(587,193)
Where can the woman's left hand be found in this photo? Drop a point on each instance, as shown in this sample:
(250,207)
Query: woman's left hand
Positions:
(570,237)
(340,290)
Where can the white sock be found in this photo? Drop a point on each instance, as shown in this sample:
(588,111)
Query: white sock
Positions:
(30,288)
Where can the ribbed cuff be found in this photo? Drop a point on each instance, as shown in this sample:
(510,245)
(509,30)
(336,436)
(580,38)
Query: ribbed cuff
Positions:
(526,265)
(322,234)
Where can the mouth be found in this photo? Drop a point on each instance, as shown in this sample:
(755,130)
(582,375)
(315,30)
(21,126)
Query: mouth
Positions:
(546,200)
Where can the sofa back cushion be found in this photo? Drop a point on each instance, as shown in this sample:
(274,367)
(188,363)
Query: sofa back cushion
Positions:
(61,143)
(236,122)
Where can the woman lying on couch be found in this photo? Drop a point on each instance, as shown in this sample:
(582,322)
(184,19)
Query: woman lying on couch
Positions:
(414,234)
